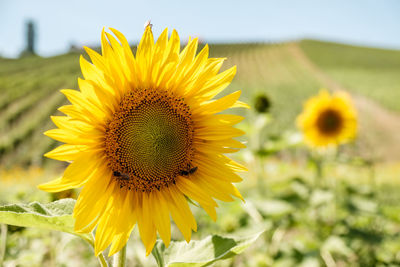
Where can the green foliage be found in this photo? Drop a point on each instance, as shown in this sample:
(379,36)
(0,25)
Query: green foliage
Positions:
(351,222)
(344,223)
(56,215)
(201,252)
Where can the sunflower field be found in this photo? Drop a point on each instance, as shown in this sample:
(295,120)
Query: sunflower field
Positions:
(303,169)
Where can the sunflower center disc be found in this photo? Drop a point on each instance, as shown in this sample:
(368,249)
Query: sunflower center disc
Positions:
(329,122)
(149,140)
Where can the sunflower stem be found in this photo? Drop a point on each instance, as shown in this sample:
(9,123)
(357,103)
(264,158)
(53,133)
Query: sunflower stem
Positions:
(120,258)
(319,171)
(319,168)
(102,260)
(3,242)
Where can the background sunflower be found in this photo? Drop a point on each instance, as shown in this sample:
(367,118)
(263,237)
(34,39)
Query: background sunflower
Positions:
(328,119)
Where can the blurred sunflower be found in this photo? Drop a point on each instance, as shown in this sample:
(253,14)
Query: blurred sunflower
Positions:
(262,103)
(328,119)
(143,135)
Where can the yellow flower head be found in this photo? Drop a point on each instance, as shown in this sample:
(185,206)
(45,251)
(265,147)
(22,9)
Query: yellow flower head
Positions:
(143,135)
(328,119)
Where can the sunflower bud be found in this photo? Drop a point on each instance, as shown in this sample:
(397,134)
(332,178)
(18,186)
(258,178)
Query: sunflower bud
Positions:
(262,103)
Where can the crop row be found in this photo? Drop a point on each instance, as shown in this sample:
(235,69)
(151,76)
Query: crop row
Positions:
(16,109)
(11,138)
(27,65)
(30,152)
(16,86)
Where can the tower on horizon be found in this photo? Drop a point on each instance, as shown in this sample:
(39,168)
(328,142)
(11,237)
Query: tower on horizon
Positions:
(30,37)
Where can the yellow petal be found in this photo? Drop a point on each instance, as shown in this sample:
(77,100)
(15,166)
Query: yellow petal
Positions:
(217,133)
(191,79)
(190,189)
(146,226)
(64,122)
(170,61)
(159,56)
(210,211)
(66,152)
(161,216)
(209,165)
(73,138)
(179,219)
(218,83)
(144,55)
(105,45)
(240,104)
(108,222)
(217,146)
(210,188)
(219,105)
(130,62)
(92,201)
(179,201)
(101,98)
(218,120)
(75,112)
(78,99)
(222,187)
(76,174)
(90,71)
(173,47)
(126,224)
(96,58)
(183,70)
(119,241)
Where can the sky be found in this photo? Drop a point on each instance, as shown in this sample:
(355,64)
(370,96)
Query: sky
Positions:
(61,23)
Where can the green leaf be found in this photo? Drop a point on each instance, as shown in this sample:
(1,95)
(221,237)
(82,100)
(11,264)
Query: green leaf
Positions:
(201,252)
(56,215)
(321,197)
(364,204)
(336,245)
(273,207)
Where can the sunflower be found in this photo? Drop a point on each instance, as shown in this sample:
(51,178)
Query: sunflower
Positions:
(144,137)
(328,119)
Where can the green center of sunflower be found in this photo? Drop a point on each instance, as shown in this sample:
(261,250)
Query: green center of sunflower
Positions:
(329,122)
(149,140)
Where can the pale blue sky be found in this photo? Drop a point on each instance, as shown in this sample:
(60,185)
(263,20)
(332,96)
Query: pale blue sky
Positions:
(60,23)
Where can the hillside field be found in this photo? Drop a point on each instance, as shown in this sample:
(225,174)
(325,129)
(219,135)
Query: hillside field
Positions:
(288,73)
